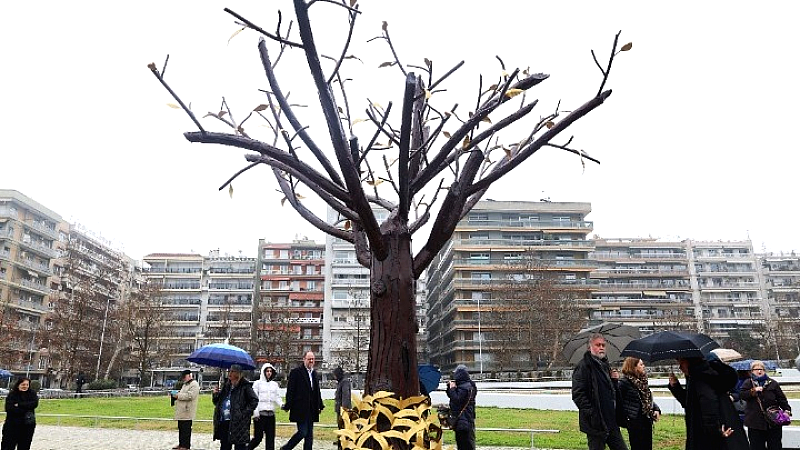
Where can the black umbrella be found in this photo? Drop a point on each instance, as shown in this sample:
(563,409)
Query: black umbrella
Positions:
(617,337)
(670,345)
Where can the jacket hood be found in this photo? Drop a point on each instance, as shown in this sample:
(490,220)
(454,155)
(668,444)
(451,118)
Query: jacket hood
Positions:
(461,374)
(720,376)
(264,367)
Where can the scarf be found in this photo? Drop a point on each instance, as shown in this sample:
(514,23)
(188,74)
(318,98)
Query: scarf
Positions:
(640,382)
(760,381)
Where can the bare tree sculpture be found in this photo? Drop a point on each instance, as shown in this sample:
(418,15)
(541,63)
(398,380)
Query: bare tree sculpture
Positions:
(460,165)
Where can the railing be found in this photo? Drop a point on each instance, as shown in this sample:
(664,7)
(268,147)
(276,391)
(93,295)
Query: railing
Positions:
(584,224)
(49,251)
(32,305)
(577,243)
(32,285)
(51,232)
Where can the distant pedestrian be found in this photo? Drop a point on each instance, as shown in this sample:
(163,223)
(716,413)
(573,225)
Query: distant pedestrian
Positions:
(304,402)
(20,423)
(636,404)
(269,399)
(185,409)
(233,407)
(342,396)
(594,391)
(461,391)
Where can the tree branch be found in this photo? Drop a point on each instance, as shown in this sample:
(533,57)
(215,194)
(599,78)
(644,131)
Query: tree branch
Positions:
(255,27)
(405,141)
(163,82)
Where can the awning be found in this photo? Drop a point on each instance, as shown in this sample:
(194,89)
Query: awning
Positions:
(654,293)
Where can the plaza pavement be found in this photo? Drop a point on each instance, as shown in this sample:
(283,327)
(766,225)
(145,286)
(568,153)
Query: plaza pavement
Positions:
(48,437)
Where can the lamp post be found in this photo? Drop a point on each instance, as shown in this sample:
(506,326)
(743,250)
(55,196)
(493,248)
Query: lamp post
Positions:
(102,338)
(30,353)
(480,337)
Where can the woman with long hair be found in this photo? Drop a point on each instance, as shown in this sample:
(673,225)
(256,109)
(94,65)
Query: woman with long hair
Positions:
(637,407)
(20,418)
(759,393)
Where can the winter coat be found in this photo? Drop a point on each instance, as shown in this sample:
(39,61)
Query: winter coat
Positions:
(342,397)
(462,398)
(772,395)
(707,407)
(303,401)
(267,391)
(243,402)
(589,376)
(18,403)
(631,401)
(186,401)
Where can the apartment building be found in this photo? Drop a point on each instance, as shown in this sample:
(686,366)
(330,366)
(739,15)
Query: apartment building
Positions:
(29,234)
(780,283)
(496,249)
(289,298)
(644,283)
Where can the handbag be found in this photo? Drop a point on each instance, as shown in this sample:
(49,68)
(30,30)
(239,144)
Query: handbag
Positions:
(774,415)
(29,418)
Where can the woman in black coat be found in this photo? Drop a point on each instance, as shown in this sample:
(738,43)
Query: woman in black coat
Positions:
(20,418)
(462,390)
(233,406)
(759,393)
(711,419)
(638,411)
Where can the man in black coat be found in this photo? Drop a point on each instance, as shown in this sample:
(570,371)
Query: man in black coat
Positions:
(304,402)
(233,407)
(595,393)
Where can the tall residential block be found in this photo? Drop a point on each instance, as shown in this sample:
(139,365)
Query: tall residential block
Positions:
(471,280)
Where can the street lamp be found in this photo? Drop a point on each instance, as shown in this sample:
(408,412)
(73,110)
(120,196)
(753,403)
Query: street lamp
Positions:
(30,353)
(102,338)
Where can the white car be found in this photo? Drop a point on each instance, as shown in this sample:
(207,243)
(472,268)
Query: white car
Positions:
(3,391)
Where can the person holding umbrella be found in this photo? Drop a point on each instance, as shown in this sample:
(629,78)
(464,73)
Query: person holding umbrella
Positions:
(759,393)
(233,406)
(594,391)
(638,408)
(711,419)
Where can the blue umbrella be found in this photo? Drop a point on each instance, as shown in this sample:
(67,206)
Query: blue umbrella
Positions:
(429,377)
(222,355)
(745,365)
(5,374)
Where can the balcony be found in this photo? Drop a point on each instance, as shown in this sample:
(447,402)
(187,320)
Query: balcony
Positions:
(37,266)
(41,249)
(614,256)
(38,287)
(5,233)
(526,224)
(45,230)
(530,263)
(7,212)
(577,244)
(36,306)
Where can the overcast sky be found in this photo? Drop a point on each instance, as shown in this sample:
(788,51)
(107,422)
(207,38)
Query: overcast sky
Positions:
(697,141)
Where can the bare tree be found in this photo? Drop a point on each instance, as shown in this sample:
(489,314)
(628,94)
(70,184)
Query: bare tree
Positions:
(446,151)
(142,318)
(277,336)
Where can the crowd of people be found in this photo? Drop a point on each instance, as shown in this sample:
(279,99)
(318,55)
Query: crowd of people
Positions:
(608,403)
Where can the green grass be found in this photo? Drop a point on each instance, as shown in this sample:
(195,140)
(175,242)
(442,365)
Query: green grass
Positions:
(669,431)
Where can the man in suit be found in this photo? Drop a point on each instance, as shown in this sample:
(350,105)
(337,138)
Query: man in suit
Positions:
(304,402)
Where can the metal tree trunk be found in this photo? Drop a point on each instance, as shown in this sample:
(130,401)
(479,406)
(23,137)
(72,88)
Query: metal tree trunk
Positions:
(392,362)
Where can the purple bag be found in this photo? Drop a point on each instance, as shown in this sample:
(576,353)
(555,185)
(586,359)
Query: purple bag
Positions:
(777,416)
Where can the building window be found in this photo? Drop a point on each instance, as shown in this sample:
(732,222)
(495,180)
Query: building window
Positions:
(478,217)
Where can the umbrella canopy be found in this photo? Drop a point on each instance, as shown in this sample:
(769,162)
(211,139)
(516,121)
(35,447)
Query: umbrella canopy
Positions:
(670,345)
(727,354)
(429,377)
(617,337)
(745,365)
(5,374)
(222,355)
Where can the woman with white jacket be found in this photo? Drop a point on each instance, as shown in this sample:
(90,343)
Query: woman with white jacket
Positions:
(269,399)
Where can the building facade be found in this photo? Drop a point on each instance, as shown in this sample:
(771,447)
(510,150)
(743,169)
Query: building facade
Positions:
(288,311)
(474,283)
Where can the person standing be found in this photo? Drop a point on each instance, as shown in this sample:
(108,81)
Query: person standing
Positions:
(711,419)
(185,402)
(342,396)
(595,393)
(304,402)
(20,416)
(636,402)
(269,398)
(461,391)
(233,406)
(759,393)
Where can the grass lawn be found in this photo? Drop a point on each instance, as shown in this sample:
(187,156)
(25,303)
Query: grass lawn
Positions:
(669,431)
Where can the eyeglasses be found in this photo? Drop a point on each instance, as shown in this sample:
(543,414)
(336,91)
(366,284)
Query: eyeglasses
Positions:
(758,368)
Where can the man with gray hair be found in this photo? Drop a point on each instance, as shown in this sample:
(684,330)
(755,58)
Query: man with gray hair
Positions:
(595,393)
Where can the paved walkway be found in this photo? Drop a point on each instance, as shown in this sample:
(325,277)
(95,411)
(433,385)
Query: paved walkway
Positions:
(50,437)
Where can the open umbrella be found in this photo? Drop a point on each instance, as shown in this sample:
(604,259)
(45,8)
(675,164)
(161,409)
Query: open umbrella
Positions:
(5,374)
(617,337)
(670,345)
(429,377)
(222,355)
(727,354)
(745,365)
